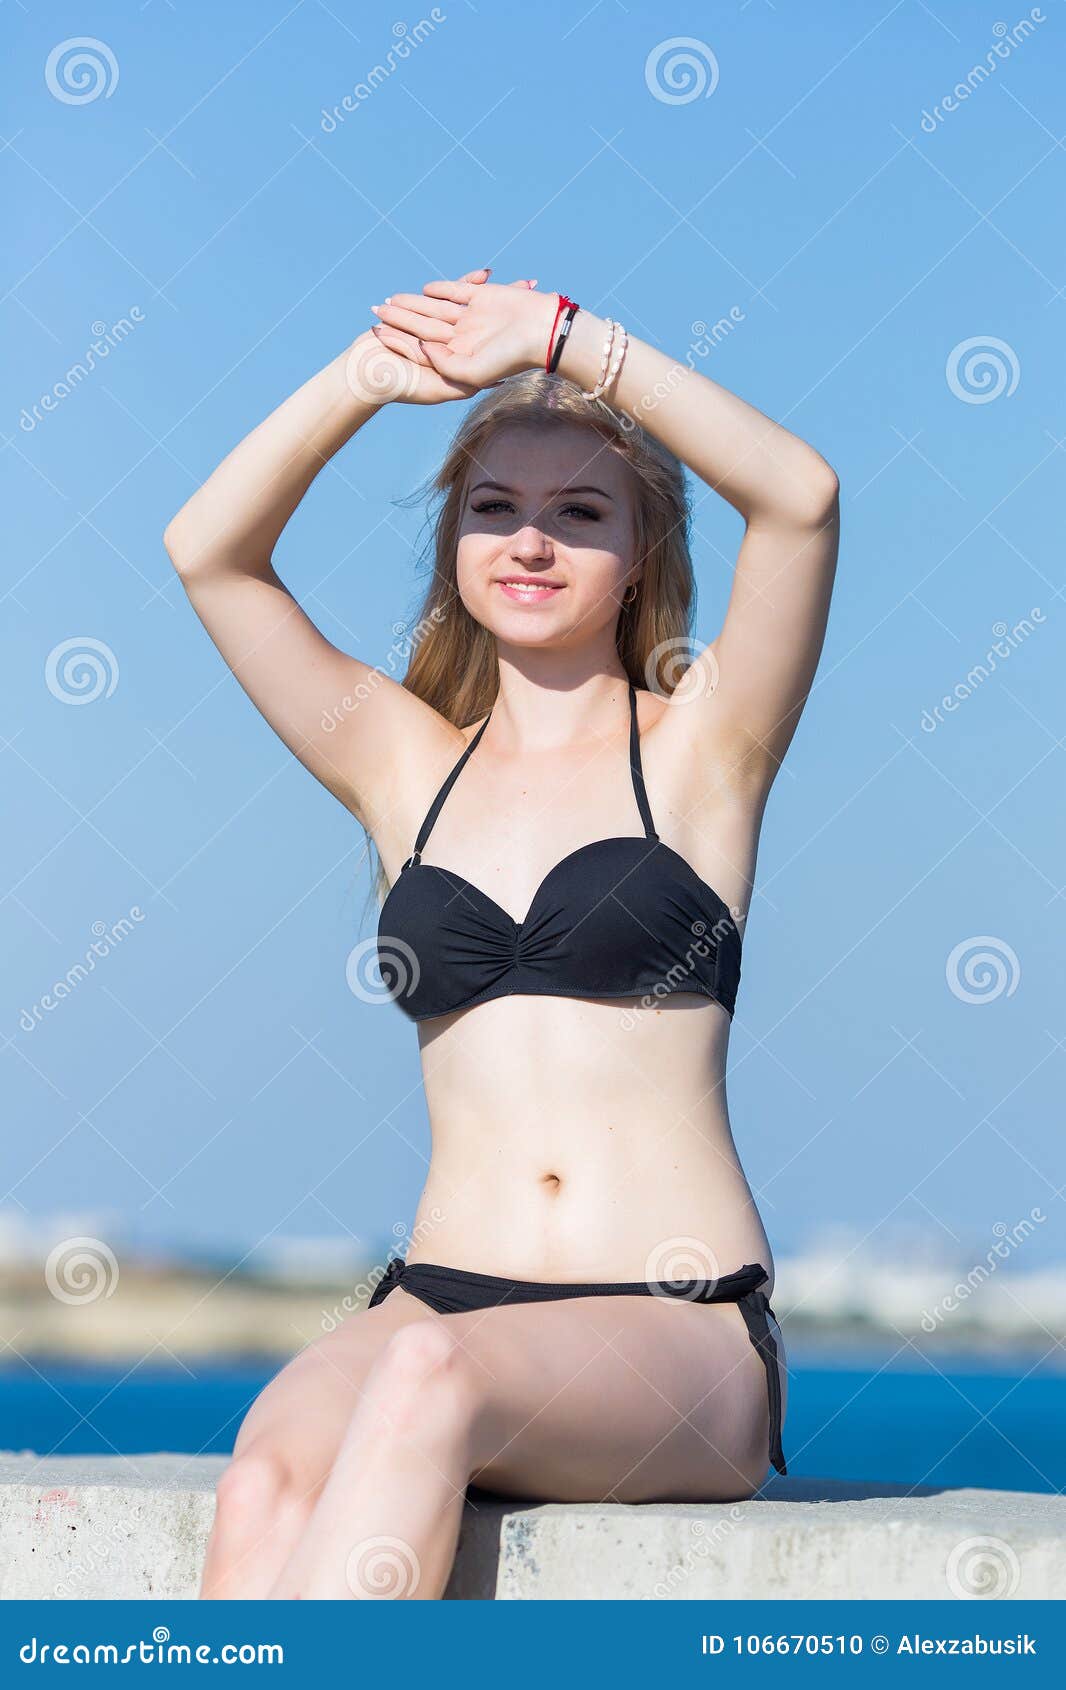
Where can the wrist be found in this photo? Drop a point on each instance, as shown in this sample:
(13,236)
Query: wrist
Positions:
(372,374)
(542,319)
(582,353)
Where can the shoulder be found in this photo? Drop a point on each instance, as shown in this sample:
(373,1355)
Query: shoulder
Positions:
(415,748)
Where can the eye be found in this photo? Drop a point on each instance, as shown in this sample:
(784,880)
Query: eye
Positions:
(491,505)
(584,512)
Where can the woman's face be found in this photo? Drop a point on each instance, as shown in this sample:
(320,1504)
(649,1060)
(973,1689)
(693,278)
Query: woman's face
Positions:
(546,536)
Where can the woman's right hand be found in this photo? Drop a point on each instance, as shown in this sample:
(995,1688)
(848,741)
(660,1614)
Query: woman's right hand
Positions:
(386,365)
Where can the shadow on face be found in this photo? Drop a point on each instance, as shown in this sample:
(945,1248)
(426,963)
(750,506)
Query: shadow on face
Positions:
(547,534)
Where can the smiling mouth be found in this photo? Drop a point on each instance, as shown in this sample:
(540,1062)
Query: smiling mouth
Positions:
(529,592)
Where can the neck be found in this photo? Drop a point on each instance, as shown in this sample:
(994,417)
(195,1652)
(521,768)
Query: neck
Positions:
(546,699)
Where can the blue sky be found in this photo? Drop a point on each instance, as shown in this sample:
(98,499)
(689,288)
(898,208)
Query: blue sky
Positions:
(893,264)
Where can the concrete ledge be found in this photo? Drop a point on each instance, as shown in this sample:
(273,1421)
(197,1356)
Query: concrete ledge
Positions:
(137,1527)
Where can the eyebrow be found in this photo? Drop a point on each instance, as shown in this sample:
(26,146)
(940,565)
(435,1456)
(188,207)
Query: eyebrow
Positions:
(500,488)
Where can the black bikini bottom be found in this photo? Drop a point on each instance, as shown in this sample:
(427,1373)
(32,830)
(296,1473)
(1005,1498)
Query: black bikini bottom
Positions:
(449,1291)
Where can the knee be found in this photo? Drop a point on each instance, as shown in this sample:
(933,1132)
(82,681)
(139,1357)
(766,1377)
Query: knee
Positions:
(256,1486)
(426,1380)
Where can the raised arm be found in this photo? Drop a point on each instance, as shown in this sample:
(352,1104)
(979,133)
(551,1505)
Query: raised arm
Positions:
(343,719)
(758,671)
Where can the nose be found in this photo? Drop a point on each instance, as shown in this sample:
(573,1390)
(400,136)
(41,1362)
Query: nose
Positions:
(531,546)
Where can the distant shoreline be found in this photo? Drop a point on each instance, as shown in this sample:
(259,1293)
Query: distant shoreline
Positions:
(150,1313)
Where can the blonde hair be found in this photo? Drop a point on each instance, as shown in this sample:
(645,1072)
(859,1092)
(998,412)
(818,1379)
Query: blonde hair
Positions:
(453,666)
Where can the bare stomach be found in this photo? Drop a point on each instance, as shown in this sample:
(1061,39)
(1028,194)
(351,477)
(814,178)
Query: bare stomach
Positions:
(578,1140)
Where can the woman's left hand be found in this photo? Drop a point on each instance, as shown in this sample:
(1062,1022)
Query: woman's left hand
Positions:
(473,333)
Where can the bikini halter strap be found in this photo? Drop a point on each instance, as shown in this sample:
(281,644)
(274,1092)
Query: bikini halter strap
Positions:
(635,768)
(438,803)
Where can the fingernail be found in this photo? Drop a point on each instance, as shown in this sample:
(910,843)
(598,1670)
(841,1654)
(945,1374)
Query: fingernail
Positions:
(531,285)
(388,299)
(487,269)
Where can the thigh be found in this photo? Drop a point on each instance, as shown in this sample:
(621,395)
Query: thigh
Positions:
(303,1412)
(630,1399)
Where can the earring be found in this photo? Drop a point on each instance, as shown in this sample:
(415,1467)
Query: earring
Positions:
(630,594)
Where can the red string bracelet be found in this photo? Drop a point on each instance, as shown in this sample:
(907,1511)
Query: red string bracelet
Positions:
(563,305)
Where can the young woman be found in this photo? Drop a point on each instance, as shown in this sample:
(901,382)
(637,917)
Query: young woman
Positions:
(568,817)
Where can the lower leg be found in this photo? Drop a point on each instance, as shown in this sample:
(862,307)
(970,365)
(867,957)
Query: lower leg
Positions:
(387,1521)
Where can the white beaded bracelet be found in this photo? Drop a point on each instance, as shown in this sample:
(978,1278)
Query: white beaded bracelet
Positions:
(616,360)
(614,350)
(605,361)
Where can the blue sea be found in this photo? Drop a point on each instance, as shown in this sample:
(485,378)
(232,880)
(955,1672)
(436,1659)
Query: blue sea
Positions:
(968,1422)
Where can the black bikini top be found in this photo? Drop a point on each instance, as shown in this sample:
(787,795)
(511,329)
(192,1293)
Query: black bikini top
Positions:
(618,918)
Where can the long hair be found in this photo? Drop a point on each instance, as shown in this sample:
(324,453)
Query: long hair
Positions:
(453,664)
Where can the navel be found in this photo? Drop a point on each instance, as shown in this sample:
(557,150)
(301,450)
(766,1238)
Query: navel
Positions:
(552,1183)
